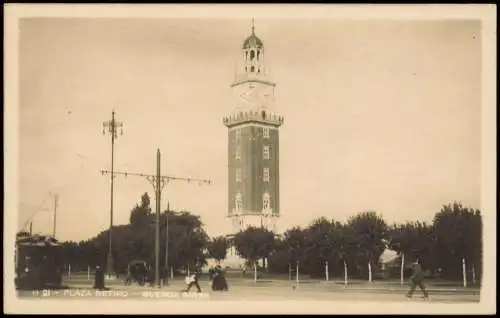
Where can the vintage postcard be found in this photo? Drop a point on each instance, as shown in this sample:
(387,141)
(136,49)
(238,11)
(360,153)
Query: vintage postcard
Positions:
(250,159)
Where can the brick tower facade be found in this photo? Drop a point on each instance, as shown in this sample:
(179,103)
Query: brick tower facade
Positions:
(253,143)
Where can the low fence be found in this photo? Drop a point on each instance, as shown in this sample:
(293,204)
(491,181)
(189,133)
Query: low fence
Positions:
(88,276)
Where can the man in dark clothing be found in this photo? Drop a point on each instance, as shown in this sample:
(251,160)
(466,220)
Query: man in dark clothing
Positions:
(417,279)
(193,280)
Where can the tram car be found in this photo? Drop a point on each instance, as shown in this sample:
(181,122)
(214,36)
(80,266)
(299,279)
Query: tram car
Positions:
(38,262)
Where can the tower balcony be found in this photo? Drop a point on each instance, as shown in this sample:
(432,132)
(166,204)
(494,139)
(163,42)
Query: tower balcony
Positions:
(243,117)
(250,77)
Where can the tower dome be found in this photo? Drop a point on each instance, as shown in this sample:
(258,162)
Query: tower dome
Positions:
(253,41)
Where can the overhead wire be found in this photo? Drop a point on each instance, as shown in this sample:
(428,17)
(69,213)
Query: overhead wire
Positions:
(38,208)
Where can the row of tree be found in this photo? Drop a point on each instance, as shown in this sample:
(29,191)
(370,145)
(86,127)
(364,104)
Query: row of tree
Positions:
(187,242)
(324,246)
(454,236)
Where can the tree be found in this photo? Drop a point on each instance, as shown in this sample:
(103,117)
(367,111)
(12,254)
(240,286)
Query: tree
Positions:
(136,241)
(349,250)
(414,240)
(370,232)
(296,241)
(217,248)
(279,259)
(189,240)
(475,244)
(458,232)
(254,244)
(323,245)
(140,215)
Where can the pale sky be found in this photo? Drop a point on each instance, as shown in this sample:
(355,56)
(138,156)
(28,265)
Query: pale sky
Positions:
(379,115)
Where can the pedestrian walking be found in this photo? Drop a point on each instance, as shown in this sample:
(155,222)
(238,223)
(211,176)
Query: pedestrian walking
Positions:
(417,279)
(192,281)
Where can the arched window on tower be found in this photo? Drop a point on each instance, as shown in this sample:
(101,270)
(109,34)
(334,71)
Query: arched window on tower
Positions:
(266,202)
(238,202)
(258,55)
(252,69)
(252,55)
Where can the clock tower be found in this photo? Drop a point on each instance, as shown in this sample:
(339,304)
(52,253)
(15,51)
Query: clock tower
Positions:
(253,143)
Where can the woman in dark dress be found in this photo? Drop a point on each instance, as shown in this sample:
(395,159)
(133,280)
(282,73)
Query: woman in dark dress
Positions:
(99,278)
(219,282)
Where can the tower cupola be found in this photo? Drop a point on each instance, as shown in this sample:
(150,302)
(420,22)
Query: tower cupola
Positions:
(253,41)
(253,54)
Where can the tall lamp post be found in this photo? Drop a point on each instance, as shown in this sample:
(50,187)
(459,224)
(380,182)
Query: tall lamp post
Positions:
(111,126)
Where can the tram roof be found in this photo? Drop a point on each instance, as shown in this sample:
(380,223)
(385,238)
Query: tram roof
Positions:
(37,240)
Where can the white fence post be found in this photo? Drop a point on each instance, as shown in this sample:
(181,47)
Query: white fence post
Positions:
(464,272)
(369,272)
(402,269)
(345,273)
(326,271)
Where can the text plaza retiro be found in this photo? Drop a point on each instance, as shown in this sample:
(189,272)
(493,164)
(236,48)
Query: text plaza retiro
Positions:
(167,254)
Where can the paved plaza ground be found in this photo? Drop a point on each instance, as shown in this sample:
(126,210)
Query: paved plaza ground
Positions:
(80,287)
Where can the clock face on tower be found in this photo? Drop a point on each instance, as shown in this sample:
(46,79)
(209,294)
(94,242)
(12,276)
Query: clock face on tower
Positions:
(255,94)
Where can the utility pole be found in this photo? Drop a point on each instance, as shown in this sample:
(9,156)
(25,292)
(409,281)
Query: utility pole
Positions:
(56,198)
(112,127)
(166,244)
(158,200)
(158,181)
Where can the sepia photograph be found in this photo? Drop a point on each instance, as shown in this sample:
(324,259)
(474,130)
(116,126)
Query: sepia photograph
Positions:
(250,159)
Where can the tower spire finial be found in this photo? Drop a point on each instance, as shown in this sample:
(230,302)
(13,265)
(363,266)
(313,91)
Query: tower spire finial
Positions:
(253,26)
